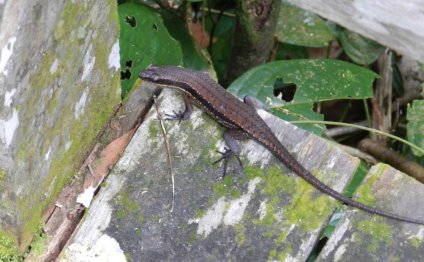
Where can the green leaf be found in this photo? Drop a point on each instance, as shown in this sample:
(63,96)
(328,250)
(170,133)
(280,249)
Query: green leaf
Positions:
(415,129)
(144,40)
(315,80)
(361,50)
(192,58)
(222,43)
(299,27)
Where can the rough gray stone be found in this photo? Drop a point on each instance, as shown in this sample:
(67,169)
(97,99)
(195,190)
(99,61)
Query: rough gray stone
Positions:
(59,82)
(258,214)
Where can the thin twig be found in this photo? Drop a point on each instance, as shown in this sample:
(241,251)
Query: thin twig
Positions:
(165,138)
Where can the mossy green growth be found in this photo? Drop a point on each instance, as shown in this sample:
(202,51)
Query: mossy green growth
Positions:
(304,210)
(274,255)
(276,183)
(154,130)
(127,205)
(200,213)
(240,230)
(251,172)
(415,242)
(2,174)
(307,211)
(38,243)
(283,255)
(138,232)
(379,232)
(364,192)
(223,187)
(8,248)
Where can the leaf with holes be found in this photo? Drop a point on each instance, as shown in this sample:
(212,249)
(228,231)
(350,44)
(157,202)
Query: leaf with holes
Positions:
(312,80)
(415,128)
(299,27)
(144,40)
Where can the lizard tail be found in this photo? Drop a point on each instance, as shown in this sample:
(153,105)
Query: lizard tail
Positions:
(288,160)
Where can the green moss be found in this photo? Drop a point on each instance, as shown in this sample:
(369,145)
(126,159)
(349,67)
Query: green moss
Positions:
(415,242)
(235,193)
(200,213)
(276,182)
(52,103)
(9,248)
(251,172)
(364,192)
(378,231)
(113,14)
(43,77)
(154,130)
(307,211)
(2,174)
(38,243)
(283,255)
(71,20)
(127,204)
(268,220)
(140,219)
(138,232)
(128,256)
(240,230)
(281,238)
(272,254)
(120,213)
(223,187)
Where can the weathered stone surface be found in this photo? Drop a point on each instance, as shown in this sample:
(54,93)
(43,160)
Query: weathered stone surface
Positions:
(258,214)
(59,82)
(361,237)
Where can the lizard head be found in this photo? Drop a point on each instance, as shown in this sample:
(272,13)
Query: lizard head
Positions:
(151,74)
(167,76)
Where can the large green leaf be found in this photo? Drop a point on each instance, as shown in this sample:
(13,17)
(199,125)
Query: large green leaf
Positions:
(192,58)
(361,50)
(222,43)
(416,125)
(144,40)
(299,27)
(315,80)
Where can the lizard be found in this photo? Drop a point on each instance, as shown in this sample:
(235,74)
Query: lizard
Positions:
(242,121)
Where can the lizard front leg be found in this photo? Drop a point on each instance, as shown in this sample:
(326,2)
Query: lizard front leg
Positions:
(231,138)
(182,115)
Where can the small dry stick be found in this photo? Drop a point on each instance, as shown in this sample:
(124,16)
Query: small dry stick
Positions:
(165,138)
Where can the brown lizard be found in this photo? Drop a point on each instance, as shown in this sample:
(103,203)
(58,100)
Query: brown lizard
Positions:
(242,121)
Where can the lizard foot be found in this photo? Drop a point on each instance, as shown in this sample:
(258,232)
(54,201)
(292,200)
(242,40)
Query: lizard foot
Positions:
(226,155)
(178,116)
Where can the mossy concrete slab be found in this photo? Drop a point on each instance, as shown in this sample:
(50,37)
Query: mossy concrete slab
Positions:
(361,237)
(59,78)
(264,212)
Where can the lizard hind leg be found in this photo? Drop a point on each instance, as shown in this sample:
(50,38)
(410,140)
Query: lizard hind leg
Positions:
(231,137)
